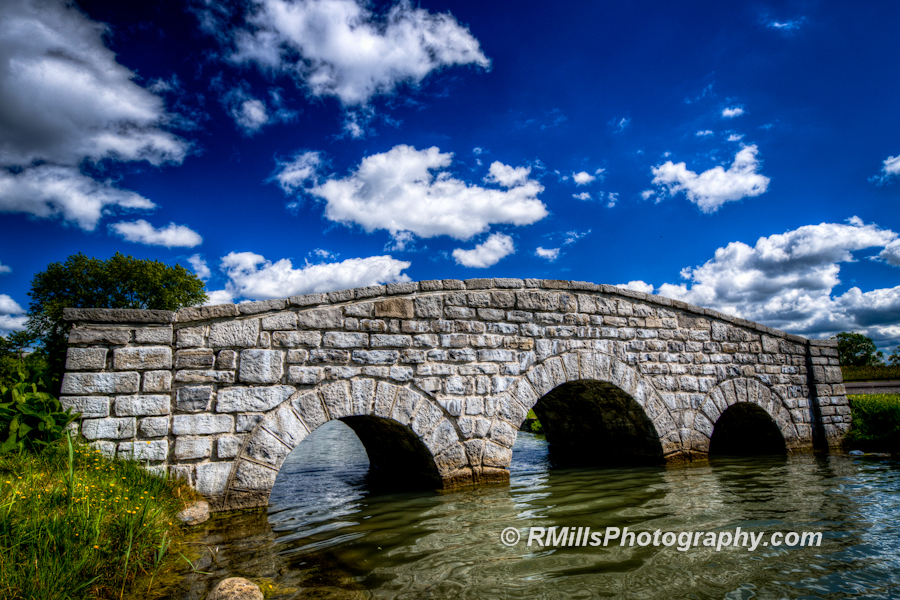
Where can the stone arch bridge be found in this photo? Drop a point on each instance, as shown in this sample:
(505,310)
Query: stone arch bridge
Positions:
(435,377)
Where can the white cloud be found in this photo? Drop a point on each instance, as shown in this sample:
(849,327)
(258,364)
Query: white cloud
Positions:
(891,253)
(341,48)
(66,100)
(637,286)
(613,199)
(253,277)
(713,188)
(219,297)
(487,253)
(550,254)
(790,25)
(409,190)
(647,194)
(891,166)
(201,269)
(582,178)
(12,317)
(619,124)
(5,268)
(704,133)
(574,236)
(735,137)
(786,281)
(170,236)
(250,114)
(582,196)
(477,150)
(293,174)
(49,191)
(731,112)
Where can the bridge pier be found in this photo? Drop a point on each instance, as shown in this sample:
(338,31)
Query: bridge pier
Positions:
(435,378)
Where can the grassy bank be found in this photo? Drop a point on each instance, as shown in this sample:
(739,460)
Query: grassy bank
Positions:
(76,525)
(872,373)
(876,423)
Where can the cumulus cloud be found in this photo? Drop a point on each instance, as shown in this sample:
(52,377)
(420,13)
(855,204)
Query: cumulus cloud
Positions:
(249,113)
(252,277)
(582,196)
(731,112)
(704,133)
(582,178)
(573,236)
(170,236)
(219,297)
(487,253)
(294,174)
(201,269)
(713,188)
(5,269)
(550,254)
(891,253)
(786,281)
(637,286)
(735,137)
(409,190)
(890,167)
(341,48)
(613,198)
(65,101)
(12,316)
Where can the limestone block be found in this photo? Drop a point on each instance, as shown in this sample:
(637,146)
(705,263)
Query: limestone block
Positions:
(99,383)
(296,339)
(190,337)
(260,306)
(202,424)
(153,427)
(228,446)
(391,341)
(384,399)
(88,406)
(401,374)
(451,459)
(110,428)
(189,448)
(310,409)
(286,320)
(428,307)
(329,356)
(195,376)
(495,455)
(212,478)
(157,381)
(107,449)
(252,399)
(155,450)
(261,366)
(397,308)
(86,359)
(143,358)
(113,336)
(226,360)
(375,357)
(246,423)
(510,410)
(285,424)
(533,300)
(442,437)
(503,433)
(362,392)
(253,477)
(153,335)
(427,417)
(267,449)
(139,406)
(345,340)
(193,399)
(196,313)
(305,375)
(231,334)
(202,358)
(320,318)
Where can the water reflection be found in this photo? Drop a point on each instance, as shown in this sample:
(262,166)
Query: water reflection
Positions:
(327,534)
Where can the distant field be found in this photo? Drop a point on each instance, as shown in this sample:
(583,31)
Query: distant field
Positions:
(882,373)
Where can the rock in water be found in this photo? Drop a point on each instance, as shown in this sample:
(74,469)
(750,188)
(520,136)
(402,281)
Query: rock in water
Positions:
(194,514)
(235,588)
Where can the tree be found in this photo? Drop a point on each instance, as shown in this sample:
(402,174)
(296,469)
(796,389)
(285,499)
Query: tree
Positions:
(17,354)
(857,350)
(894,358)
(120,282)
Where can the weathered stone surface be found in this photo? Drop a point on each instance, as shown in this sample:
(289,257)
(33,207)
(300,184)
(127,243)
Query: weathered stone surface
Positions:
(398,308)
(234,334)
(235,588)
(261,366)
(194,514)
(194,359)
(227,446)
(252,399)
(310,408)
(153,335)
(139,406)
(110,428)
(321,318)
(197,376)
(99,383)
(118,315)
(99,335)
(197,313)
(142,358)
(90,407)
(86,359)
(152,450)
(212,477)
(296,339)
(153,427)
(345,340)
(202,424)
(194,398)
(187,448)
(157,381)
(305,375)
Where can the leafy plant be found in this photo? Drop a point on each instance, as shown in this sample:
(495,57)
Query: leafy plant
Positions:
(29,418)
(876,422)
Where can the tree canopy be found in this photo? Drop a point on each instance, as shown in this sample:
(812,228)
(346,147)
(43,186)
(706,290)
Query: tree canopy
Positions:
(857,350)
(120,282)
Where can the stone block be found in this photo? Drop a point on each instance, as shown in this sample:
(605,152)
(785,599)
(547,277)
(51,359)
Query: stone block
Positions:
(329,356)
(261,366)
(153,427)
(139,406)
(305,375)
(113,336)
(345,340)
(375,357)
(265,448)
(280,321)
(260,306)
(197,313)
(252,399)
(234,334)
(86,359)
(207,376)
(190,337)
(253,477)
(190,448)
(391,341)
(202,358)
(428,307)
(246,423)
(495,455)
(157,381)
(286,425)
(320,318)
(212,478)
(99,383)
(142,358)
(296,339)
(202,424)
(89,406)
(451,459)
(109,428)
(155,450)
(228,446)
(193,399)
(310,409)
(336,397)
(153,335)
(397,308)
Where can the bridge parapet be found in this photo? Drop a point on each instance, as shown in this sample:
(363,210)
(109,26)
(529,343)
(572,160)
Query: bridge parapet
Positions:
(444,371)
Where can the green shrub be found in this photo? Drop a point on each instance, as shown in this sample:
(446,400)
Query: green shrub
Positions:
(30,419)
(871,373)
(876,422)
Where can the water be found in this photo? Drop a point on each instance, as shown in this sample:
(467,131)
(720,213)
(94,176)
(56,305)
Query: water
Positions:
(327,535)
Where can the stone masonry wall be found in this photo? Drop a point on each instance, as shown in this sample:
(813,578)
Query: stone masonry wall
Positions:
(220,394)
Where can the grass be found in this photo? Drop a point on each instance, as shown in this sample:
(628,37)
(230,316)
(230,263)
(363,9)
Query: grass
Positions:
(876,422)
(873,373)
(75,525)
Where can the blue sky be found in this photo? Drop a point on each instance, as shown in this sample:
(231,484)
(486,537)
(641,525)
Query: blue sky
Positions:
(743,158)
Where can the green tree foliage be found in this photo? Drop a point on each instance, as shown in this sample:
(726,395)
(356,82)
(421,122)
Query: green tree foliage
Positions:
(120,282)
(857,350)
(18,354)
(894,358)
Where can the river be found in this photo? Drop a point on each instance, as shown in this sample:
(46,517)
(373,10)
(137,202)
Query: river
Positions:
(328,535)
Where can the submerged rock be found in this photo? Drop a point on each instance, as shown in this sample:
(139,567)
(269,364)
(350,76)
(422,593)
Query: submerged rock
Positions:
(195,513)
(235,588)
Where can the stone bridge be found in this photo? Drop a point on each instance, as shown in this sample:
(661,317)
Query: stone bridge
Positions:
(435,377)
